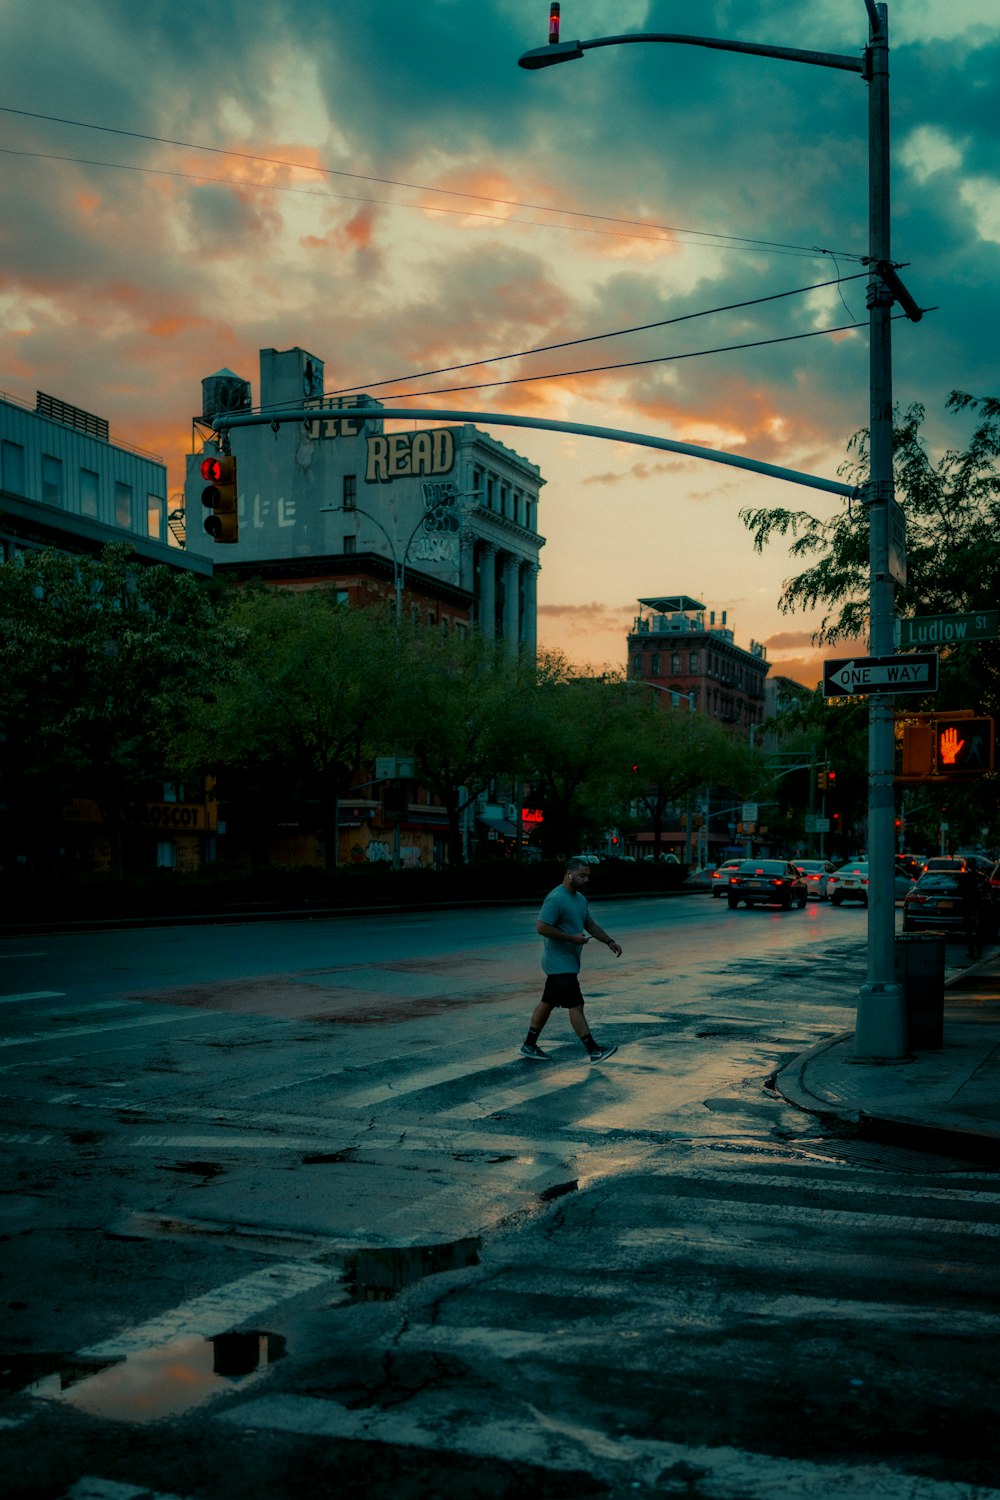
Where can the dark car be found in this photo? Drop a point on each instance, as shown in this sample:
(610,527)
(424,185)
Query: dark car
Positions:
(936,901)
(767,882)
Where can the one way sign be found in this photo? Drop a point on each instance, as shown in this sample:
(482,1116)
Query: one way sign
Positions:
(880,674)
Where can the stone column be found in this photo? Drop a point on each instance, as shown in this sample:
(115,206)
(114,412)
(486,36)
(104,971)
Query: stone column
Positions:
(530,577)
(487,601)
(511,603)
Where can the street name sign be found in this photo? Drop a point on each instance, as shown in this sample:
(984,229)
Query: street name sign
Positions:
(880,674)
(932,630)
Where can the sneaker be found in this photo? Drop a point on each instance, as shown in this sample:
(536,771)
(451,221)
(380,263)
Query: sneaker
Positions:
(602,1054)
(529,1049)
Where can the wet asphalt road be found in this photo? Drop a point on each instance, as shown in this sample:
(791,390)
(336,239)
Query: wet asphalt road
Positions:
(244,1165)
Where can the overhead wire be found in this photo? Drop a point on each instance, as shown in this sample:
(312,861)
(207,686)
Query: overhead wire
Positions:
(721,240)
(629,364)
(370,385)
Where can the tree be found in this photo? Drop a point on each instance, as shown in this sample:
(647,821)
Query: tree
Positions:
(674,752)
(308,702)
(457,712)
(568,748)
(952,511)
(98,657)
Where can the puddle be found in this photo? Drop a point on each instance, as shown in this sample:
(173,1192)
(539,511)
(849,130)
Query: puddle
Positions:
(380,1274)
(149,1385)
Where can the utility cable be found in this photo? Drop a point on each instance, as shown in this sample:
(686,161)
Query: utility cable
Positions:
(629,364)
(725,240)
(371,385)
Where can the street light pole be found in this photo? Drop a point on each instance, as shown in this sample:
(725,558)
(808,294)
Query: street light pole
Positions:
(880,1027)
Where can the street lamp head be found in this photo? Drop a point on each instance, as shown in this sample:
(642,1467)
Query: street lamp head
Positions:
(545,57)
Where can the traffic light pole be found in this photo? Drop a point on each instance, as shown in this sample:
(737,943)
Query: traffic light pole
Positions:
(880,1029)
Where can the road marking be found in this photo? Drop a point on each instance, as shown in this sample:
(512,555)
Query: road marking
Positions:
(791,1214)
(530,1436)
(33,995)
(22,955)
(74,1031)
(217,1311)
(91,1488)
(7,1139)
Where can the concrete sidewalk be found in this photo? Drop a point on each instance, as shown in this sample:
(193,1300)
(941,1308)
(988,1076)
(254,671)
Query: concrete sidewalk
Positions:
(945,1100)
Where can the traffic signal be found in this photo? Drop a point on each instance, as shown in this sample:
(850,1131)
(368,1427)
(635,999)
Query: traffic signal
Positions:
(821,781)
(963,746)
(553,24)
(219,495)
(831,780)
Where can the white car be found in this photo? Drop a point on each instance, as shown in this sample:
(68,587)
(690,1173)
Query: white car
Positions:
(850,883)
(817,873)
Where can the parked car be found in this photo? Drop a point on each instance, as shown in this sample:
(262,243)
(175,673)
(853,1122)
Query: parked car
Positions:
(911,865)
(772,882)
(850,883)
(720,875)
(953,862)
(817,873)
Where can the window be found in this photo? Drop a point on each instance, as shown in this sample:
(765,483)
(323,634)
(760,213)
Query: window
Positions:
(166,855)
(88,492)
(343,597)
(52,480)
(350,491)
(637,665)
(491,492)
(350,544)
(123,505)
(504,500)
(675,661)
(13,468)
(654,665)
(693,662)
(155,508)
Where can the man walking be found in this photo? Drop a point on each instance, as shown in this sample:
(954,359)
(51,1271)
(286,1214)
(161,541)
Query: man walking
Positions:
(565,925)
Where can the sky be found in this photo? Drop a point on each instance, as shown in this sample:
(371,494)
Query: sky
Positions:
(381,184)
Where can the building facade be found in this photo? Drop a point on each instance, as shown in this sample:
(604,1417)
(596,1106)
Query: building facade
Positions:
(445,519)
(679,647)
(65,485)
(685,653)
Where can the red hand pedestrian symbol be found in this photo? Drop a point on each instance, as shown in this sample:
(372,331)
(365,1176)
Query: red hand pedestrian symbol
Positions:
(950,746)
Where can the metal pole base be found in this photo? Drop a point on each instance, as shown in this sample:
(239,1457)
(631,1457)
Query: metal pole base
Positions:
(880,1029)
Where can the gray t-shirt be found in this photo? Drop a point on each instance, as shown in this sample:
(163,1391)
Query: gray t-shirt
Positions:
(566,910)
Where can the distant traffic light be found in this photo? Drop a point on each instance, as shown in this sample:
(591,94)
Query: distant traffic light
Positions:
(821,781)
(831,780)
(553,24)
(963,746)
(219,496)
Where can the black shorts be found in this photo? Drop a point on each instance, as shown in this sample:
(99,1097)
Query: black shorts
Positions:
(562,990)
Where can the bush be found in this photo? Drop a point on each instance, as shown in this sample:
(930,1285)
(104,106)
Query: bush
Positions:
(223,890)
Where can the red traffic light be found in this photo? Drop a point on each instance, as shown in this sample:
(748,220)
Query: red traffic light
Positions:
(553,24)
(219,496)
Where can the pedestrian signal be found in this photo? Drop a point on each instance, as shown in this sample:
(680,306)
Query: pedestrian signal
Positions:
(964,747)
(219,496)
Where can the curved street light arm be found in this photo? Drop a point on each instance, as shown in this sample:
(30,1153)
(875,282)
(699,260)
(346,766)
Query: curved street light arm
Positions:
(225,421)
(544,57)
